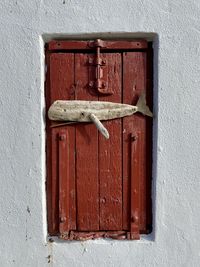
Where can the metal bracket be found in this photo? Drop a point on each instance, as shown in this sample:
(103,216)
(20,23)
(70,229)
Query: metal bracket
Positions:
(97,43)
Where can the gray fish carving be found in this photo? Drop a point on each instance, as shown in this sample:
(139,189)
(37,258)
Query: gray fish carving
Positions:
(95,111)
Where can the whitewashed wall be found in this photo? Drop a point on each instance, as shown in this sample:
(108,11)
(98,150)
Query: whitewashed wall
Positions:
(174,26)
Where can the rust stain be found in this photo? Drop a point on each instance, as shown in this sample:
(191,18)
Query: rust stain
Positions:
(50,253)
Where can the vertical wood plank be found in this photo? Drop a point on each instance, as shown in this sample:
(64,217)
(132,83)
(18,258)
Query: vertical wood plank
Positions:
(63,173)
(61,76)
(51,228)
(61,81)
(54,181)
(149,140)
(86,153)
(70,132)
(110,151)
(134,83)
(135,185)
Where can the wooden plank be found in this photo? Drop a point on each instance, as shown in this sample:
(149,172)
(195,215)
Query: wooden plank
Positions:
(86,154)
(70,131)
(83,236)
(134,83)
(61,81)
(110,152)
(149,140)
(136,170)
(54,182)
(50,217)
(80,45)
(63,173)
(61,76)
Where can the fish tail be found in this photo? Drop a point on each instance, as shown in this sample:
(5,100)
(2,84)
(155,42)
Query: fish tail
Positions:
(142,106)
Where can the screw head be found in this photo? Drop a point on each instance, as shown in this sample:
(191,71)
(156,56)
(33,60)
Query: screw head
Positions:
(62,137)
(103,84)
(91,84)
(133,138)
(62,219)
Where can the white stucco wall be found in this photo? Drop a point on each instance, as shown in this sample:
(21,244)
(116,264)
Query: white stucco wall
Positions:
(174,26)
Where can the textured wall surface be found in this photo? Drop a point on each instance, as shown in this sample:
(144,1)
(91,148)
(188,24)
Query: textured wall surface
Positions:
(174,26)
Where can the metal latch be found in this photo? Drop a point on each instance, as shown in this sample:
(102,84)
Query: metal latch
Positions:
(99,84)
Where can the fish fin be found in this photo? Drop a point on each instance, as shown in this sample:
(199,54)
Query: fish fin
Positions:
(142,106)
(99,125)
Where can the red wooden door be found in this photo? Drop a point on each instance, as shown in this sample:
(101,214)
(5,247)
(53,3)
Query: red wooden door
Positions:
(99,187)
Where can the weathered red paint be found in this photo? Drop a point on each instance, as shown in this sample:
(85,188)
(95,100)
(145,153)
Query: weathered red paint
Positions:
(82,236)
(59,85)
(134,82)
(86,155)
(91,181)
(63,174)
(85,45)
(136,171)
(110,152)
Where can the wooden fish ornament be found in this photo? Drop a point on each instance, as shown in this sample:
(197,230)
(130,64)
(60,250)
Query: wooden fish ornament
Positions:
(95,111)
